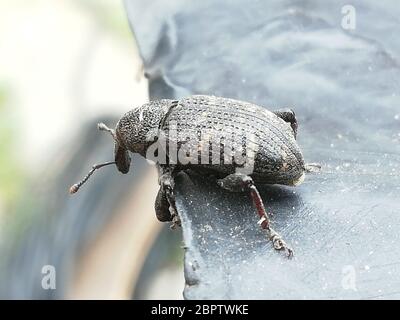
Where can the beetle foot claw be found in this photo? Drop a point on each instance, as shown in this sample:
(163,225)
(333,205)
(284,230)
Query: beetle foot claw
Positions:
(279,244)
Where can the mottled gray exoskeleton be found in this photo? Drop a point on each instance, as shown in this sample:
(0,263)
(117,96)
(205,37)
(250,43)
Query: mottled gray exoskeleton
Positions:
(269,138)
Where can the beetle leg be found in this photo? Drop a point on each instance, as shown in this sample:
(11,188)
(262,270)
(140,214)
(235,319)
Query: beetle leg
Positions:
(239,183)
(161,206)
(165,201)
(176,221)
(264,222)
(313,167)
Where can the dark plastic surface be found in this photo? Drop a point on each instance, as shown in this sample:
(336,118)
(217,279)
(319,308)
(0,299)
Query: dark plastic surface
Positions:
(344,86)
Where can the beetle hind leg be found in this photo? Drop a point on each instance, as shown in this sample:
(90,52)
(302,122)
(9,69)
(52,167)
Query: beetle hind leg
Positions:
(239,183)
(313,167)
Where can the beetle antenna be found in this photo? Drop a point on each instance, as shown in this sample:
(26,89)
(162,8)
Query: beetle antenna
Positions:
(74,188)
(102,127)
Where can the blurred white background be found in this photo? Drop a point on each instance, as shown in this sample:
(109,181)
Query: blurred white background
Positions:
(63,63)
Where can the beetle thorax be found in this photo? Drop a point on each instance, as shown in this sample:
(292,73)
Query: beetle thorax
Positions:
(138,128)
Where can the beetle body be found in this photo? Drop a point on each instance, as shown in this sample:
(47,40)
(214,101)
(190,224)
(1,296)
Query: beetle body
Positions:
(226,123)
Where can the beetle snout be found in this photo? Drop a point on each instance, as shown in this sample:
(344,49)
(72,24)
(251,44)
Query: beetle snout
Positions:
(122,158)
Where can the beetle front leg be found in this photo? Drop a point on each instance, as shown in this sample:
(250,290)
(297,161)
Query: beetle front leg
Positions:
(239,183)
(161,206)
(165,202)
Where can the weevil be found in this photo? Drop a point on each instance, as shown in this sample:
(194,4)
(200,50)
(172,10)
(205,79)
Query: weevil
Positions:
(267,138)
